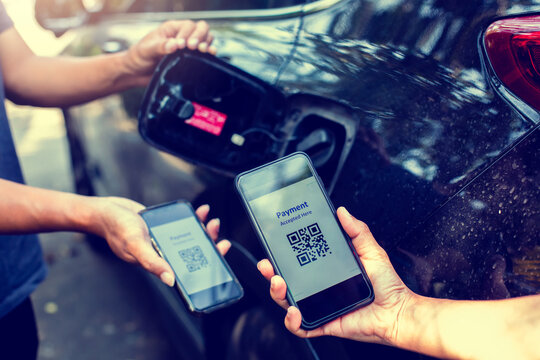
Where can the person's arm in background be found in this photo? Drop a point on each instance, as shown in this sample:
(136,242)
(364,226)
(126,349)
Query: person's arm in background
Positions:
(64,81)
(27,209)
(497,329)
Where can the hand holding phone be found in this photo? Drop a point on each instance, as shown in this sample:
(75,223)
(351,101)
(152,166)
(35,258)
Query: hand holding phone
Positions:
(369,324)
(203,278)
(297,226)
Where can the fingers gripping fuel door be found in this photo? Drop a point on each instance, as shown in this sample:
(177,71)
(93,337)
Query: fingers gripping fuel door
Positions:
(208,112)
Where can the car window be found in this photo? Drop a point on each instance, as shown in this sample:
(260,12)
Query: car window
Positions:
(196,5)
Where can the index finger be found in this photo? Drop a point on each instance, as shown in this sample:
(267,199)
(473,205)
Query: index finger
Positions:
(266,269)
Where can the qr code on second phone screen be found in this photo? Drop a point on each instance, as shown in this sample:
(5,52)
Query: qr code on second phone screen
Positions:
(308,244)
(194,258)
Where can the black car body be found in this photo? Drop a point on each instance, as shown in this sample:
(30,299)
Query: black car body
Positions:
(399,107)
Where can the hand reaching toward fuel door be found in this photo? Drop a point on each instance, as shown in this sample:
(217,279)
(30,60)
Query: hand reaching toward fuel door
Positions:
(65,81)
(143,57)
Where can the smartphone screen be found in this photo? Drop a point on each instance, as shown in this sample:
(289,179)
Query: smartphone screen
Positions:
(305,242)
(202,275)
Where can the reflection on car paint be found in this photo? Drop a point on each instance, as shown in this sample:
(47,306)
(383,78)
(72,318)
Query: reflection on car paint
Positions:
(484,243)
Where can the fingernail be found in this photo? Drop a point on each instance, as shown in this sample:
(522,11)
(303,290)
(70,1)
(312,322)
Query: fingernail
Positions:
(289,311)
(181,43)
(217,221)
(205,207)
(346,212)
(259,266)
(203,47)
(272,283)
(167,279)
(212,50)
(192,43)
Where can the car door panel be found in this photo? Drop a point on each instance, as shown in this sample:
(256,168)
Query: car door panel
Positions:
(428,121)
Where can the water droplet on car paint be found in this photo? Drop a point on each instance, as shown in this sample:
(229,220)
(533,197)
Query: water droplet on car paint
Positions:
(51,308)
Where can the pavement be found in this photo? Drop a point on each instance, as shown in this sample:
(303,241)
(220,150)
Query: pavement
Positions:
(91,306)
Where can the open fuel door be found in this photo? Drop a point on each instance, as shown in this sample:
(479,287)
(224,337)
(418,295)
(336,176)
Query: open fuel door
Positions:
(206,111)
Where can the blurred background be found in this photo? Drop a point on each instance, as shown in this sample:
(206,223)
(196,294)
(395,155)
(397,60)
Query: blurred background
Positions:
(87,301)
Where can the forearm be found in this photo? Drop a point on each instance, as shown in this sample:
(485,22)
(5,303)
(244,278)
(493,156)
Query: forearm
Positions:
(26,209)
(66,81)
(500,329)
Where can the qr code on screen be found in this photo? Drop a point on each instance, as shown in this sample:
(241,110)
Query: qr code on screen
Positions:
(194,258)
(308,244)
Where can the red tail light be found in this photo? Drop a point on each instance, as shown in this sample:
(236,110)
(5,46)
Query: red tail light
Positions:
(513,48)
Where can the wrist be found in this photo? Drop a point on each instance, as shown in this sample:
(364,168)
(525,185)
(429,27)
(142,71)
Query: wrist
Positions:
(134,70)
(128,70)
(87,214)
(405,310)
(419,327)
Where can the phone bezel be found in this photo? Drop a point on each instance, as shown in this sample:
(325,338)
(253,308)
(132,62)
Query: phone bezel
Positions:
(323,320)
(188,299)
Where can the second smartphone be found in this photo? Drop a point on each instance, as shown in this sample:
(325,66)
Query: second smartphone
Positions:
(298,227)
(203,278)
